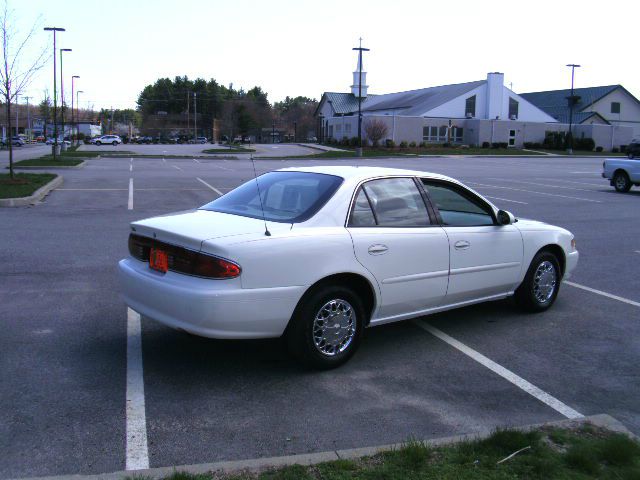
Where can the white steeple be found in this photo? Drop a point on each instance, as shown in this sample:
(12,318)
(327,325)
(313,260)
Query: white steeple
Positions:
(355,87)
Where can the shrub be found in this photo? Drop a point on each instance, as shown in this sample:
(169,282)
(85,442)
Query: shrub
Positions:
(404,144)
(375,130)
(623,148)
(528,145)
(344,142)
(615,150)
(389,143)
(499,145)
(584,144)
(555,140)
(599,149)
(486,145)
(422,145)
(412,144)
(354,142)
(446,145)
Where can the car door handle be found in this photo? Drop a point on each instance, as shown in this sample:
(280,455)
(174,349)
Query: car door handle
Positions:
(378,249)
(462,245)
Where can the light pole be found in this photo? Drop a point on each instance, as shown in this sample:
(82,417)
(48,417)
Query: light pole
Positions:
(360,50)
(572,101)
(78,109)
(17,117)
(28,130)
(55,101)
(195,118)
(73,123)
(64,145)
(295,132)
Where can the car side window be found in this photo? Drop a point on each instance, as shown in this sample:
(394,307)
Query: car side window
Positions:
(458,208)
(361,214)
(396,202)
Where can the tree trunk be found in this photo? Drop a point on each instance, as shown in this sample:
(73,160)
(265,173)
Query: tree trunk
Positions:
(9,137)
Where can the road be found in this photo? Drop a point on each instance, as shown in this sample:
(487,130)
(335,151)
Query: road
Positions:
(63,363)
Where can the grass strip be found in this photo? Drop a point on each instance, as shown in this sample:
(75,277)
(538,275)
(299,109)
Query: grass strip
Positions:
(48,161)
(215,151)
(586,452)
(23,184)
(414,152)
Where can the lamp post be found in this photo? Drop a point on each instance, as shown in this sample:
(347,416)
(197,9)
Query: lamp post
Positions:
(64,145)
(78,109)
(572,101)
(55,101)
(295,132)
(360,50)
(195,118)
(273,132)
(73,123)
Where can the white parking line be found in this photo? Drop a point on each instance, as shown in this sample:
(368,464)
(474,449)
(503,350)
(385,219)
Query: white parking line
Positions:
(137,452)
(130,204)
(197,161)
(210,186)
(176,167)
(532,191)
(506,200)
(564,187)
(508,375)
(131,167)
(587,172)
(568,181)
(604,294)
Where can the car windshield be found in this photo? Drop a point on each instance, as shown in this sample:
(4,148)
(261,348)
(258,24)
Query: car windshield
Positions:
(288,197)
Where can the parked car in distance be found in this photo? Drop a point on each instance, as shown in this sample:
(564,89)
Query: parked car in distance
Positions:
(17,141)
(107,139)
(328,251)
(51,141)
(144,140)
(201,140)
(633,150)
(622,173)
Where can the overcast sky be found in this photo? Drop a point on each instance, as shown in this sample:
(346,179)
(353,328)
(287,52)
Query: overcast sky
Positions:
(299,47)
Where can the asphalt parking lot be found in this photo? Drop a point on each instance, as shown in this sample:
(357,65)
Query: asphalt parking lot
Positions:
(63,353)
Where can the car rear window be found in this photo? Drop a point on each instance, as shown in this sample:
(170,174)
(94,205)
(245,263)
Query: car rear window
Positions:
(287,197)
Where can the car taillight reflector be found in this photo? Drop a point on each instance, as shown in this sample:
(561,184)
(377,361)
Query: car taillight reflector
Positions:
(182,260)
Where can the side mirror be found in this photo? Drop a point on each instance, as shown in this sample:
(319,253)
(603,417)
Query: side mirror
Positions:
(505,218)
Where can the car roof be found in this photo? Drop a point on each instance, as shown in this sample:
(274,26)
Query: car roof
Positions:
(363,172)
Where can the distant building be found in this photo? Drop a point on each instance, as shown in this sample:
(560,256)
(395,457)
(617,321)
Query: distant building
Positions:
(608,105)
(465,113)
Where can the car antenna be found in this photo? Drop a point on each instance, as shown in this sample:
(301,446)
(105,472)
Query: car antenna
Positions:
(255,176)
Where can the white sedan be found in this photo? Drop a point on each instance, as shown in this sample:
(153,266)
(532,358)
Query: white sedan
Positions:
(317,254)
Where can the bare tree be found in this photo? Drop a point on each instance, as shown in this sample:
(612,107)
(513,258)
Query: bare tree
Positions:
(375,130)
(15,74)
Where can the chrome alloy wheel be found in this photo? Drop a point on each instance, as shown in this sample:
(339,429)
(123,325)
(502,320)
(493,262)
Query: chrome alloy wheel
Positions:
(334,327)
(620,182)
(544,282)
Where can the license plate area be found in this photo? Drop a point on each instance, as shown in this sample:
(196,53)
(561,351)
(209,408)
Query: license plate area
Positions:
(158,260)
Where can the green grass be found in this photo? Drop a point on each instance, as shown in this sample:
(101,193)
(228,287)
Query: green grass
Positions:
(48,161)
(23,184)
(413,152)
(581,454)
(228,150)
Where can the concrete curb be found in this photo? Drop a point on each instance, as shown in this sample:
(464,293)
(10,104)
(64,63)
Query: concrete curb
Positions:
(261,464)
(49,167)
(36,197)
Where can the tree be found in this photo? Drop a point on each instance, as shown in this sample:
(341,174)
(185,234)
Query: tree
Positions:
(15,75)
(44,109)
(375,130)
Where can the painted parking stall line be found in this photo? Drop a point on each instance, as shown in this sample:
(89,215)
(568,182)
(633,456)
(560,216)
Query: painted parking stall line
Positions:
(176,167)
(130,203)
(604,294)
(137,452)
(533,191)
(210,186)
(508,375)
(506,200)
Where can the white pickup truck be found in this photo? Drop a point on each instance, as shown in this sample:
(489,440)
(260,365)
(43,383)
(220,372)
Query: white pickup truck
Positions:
(622,172)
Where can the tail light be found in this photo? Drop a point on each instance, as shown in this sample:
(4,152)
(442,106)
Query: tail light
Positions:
(184,261)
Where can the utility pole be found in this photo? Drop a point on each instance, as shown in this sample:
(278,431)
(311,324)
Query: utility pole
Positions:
(360,50)
(29,135)
(55,101)
(188,119)
(195,118)
(111,130)
(62,50)
(572,101)
(17,110)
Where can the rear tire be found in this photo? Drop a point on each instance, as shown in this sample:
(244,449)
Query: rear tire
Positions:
(115,144)
(326,328)
(539,289)
(621,182)
(98,143)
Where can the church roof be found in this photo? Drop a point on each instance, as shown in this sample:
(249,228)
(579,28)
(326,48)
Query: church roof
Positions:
(411,102)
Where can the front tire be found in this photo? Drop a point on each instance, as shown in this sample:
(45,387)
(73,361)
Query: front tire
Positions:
(621,182)
(539,289)
(98,143)
(326,328)
(115,144)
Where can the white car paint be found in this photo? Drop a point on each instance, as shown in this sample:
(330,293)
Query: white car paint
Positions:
(420,272)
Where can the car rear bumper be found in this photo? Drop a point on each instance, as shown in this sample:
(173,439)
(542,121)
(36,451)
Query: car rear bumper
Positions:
(210,308)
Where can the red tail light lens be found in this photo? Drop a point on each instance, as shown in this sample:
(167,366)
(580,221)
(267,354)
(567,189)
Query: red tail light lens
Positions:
(185,261)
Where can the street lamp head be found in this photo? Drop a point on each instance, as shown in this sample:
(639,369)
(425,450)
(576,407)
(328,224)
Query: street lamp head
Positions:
(75,76)
(80,91)
(66,50)
(572,65)
(54,29)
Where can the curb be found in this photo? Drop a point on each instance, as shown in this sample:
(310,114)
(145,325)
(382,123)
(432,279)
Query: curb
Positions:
(257,465)
(36,197)
(49,167)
